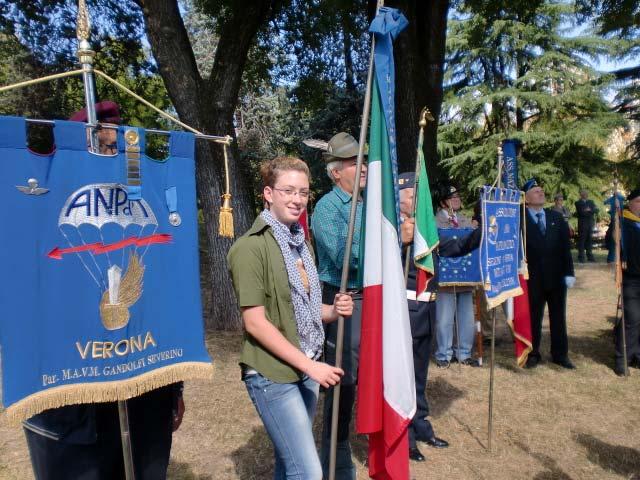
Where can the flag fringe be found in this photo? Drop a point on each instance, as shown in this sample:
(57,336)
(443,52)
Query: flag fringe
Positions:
(496,301)
(106,391)
(522,358)
(421,255)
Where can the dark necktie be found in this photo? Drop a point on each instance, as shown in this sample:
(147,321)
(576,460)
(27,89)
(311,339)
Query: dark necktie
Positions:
(541,225)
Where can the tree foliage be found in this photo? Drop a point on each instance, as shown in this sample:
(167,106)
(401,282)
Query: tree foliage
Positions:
(514,72)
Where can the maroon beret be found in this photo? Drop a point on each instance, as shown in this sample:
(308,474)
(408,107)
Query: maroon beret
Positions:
(106,112)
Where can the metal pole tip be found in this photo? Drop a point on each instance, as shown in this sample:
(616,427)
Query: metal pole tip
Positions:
(425,116)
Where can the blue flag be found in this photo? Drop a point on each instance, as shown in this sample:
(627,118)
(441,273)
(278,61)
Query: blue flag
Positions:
(500,245)
(100,289)
(459,271)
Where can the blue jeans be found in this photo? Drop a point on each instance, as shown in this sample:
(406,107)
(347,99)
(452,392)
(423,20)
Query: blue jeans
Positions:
(445,305)
(287,411)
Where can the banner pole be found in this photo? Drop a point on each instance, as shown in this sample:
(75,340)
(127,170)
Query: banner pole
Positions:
(86,56)
(618,276)
(355,195)
(493,328)
(491,373)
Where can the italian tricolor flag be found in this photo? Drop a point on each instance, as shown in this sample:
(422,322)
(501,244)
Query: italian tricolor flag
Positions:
(386,389)
(425,234)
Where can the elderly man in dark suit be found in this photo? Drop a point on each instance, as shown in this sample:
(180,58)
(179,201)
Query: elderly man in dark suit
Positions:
(550,274)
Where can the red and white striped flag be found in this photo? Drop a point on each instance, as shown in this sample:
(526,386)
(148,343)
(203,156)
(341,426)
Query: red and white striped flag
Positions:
(386,389)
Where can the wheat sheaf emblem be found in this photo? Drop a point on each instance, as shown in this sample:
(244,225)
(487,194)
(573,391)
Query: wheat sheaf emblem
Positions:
(122,293)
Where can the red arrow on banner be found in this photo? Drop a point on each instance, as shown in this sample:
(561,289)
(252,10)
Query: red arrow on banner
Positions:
(98,248)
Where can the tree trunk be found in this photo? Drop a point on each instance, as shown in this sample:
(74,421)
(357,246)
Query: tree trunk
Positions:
(419,55)
(208,105)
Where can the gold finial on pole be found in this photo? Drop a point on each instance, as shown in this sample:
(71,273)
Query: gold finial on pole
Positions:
(83,31)
(425,116)
(83,27)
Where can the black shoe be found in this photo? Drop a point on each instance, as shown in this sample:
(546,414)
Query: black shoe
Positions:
(442,364)
(619,370)
(436,442)
(634,363)
(470,362)
(454,359)
(416,455)
(565,363)
(532,361)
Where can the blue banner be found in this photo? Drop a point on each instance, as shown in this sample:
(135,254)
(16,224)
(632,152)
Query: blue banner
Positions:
(100,289)
(459,271)
(510,150)
(386,26)
(499,248)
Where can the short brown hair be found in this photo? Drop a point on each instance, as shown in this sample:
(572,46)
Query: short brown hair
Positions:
(271,169)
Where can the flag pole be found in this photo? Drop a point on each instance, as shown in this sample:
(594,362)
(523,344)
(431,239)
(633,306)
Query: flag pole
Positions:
(493,330)
(620,303)
(355,195)
(425,116)
(86,56)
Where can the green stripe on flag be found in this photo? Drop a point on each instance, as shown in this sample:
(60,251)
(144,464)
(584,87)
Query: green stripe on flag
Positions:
(379,151)
(426,233)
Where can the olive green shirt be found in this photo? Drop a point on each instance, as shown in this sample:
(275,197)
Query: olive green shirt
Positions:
(260,277)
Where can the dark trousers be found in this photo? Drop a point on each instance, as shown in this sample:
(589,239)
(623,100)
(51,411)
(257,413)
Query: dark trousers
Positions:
(556,300)
(422,316)
(150,418)
(631,300)
(585,241)
(345,468)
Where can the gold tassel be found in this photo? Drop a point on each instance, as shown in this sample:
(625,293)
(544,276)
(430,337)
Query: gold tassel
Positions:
(225,225)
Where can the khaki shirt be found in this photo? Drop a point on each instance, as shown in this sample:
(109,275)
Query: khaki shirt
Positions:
(260,277)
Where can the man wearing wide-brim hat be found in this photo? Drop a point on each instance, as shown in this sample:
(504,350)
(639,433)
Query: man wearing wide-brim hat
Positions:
(329,224)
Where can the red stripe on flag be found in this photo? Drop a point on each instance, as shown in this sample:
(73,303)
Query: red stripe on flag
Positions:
(369,417)
(522,323)
(422,280)
(389,457)
(388,437)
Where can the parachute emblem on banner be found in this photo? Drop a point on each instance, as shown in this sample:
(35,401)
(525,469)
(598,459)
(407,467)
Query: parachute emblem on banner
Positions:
(109,234)
(493,230)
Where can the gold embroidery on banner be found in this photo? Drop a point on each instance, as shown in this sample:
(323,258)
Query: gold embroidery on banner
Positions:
(116,315)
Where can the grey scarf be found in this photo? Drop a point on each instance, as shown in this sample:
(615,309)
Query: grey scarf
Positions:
(307,307)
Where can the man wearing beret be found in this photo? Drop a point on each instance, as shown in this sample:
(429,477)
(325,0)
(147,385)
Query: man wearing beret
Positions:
(630,256)
(422,313)
(329,223)
(83,441)
(550,274)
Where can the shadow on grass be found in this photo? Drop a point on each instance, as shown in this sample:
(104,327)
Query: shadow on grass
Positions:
(553,472)
(254,459)
(183,471)
(441,394)
(599,348)
(614,458)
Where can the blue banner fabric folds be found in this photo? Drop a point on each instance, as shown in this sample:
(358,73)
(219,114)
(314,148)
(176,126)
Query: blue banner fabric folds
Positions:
(510,149)
(386,26)
(499,248)
(459,271)
(100,292)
